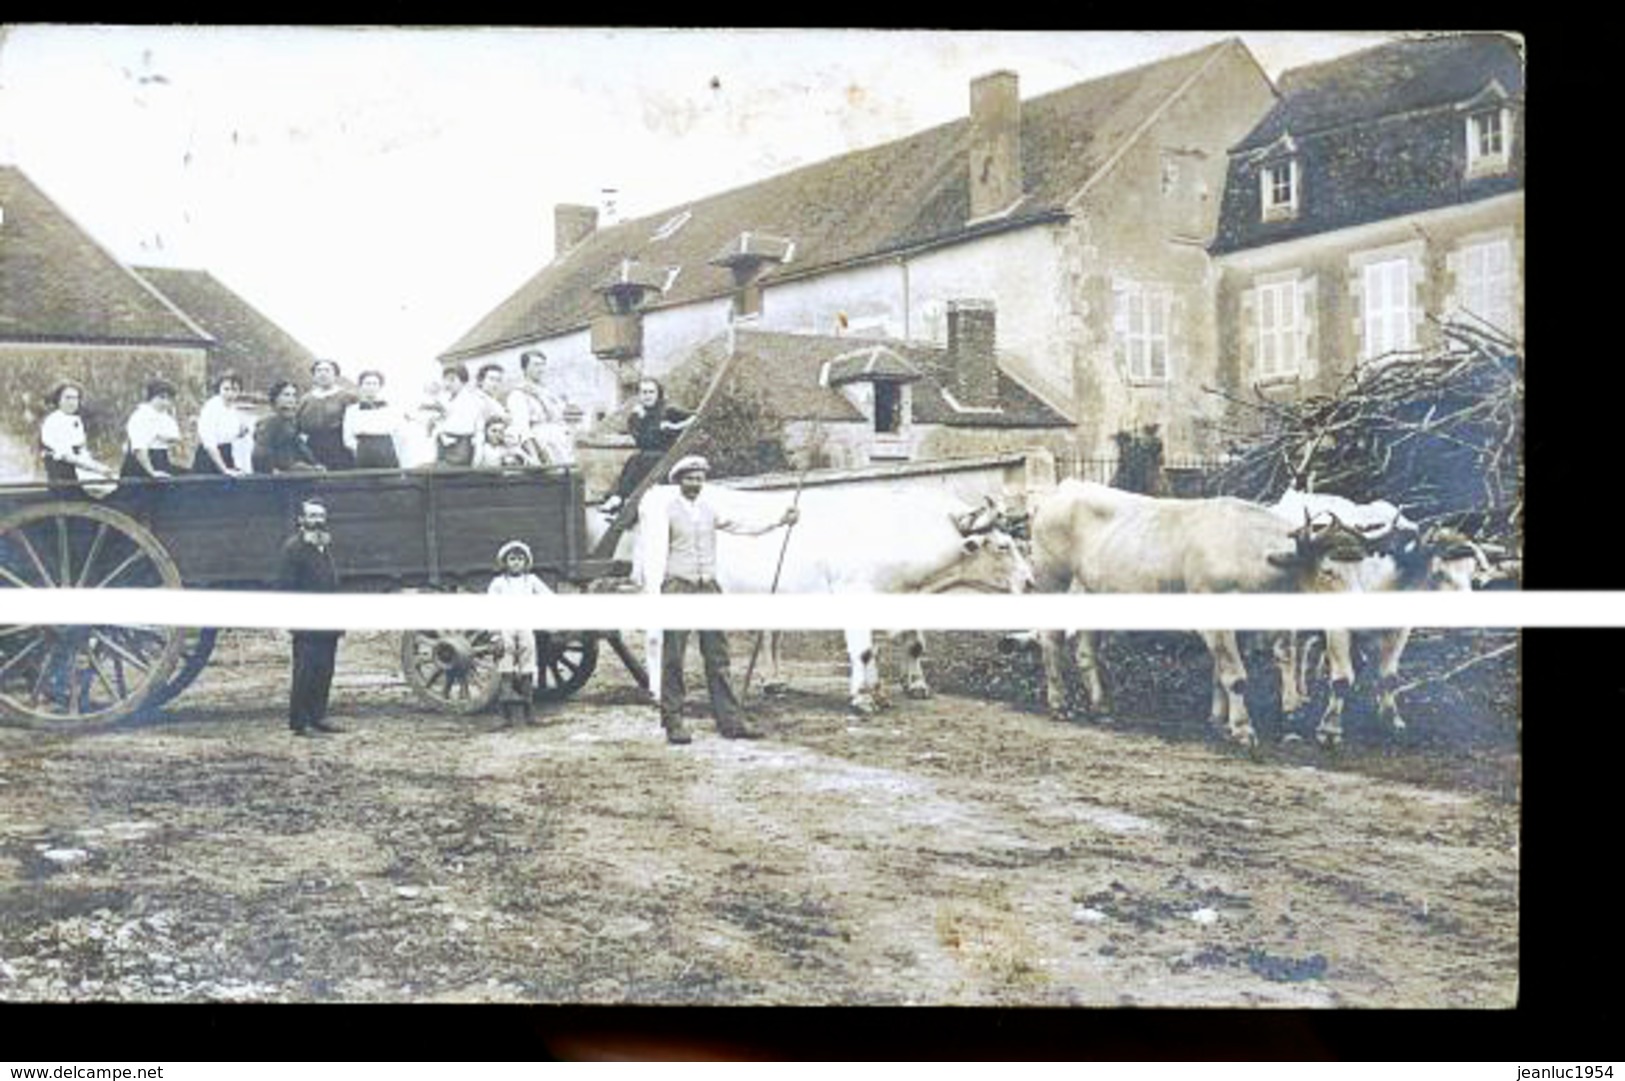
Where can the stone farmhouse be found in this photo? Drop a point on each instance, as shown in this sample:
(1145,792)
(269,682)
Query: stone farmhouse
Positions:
(1382,191)
(1072,227)
(70,310)
(851,401)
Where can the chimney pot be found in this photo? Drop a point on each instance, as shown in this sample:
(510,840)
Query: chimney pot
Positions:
(572,223)
(972,352)
(995,143)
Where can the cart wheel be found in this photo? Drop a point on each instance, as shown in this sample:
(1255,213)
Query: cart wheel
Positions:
(566,660)
(195,654)
(85,674)
(453,671)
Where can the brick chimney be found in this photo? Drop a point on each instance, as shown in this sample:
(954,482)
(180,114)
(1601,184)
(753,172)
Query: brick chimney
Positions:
(971,353)
(572,223)
(995,143)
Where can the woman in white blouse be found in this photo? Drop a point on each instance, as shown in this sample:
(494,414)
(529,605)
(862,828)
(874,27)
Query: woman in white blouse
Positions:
(150,434)
(220,424)
(62,440)
(372,424)
(538,413)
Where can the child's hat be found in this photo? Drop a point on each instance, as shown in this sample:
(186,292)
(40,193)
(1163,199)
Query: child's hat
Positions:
(514,546)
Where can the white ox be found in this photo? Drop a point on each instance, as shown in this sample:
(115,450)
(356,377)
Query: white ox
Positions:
(1398,556)
(855,542)
(1090,538)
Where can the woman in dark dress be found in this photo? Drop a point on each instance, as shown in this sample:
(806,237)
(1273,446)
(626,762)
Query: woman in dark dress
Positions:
(321,416)
(370,425)
(279,446)
(654,426)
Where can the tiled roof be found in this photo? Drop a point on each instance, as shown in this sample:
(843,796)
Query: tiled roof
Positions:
(783,369)
(873,362)
(1387,80)
(1378,134)
(246,341)
(910,192)
(635,273)
(749,247)
(57,283)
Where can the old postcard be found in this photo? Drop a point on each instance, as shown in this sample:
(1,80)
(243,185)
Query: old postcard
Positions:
(532,312)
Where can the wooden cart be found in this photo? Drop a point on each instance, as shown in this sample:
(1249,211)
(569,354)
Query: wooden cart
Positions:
(436,529)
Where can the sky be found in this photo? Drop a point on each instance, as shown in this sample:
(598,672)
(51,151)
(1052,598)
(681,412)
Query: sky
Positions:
(376,191)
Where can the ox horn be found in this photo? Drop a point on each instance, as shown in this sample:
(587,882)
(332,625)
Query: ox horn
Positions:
(1342,542)
(1378,530)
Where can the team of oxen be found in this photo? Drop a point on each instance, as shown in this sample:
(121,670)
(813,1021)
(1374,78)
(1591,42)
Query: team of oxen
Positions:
(1083,537)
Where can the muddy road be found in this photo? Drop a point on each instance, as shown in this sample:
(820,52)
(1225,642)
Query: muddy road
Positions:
(944,852)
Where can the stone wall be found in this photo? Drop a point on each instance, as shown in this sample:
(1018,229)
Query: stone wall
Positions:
(1144,226)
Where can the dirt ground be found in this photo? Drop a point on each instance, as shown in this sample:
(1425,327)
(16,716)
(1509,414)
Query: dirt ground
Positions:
(952,851)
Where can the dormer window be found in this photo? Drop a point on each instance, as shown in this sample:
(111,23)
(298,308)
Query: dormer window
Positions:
(626,291)
(1489,141)
(749,257)
(1278,185)
(876,379)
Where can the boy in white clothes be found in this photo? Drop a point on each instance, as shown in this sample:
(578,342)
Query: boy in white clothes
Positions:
(516,665)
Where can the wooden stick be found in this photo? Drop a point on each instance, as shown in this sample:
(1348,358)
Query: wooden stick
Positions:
(756,649)
(605,548)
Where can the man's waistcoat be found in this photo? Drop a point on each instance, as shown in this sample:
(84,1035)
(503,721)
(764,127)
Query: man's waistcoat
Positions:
(693,551)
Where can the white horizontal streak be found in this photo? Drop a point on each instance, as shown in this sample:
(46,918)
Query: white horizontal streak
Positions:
(198,608)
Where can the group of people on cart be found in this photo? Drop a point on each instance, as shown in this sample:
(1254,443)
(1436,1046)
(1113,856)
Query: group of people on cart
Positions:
(326,426)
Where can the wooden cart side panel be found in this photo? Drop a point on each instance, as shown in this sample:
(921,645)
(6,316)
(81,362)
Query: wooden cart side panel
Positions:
(219,531)
(480,512)
(390,529)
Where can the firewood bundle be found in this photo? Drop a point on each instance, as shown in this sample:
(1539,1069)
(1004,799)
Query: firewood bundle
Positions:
(1439,435)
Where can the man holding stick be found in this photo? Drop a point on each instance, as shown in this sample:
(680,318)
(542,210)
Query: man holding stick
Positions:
(691,567)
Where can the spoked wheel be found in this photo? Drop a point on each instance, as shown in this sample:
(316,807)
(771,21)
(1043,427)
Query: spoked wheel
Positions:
(95,673)
(196,650)
(453,671)
(566,660)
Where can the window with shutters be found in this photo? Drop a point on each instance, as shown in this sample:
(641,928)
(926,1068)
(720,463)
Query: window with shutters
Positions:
(1142,325)
(1277,307)
(1387,316)
(1484,283)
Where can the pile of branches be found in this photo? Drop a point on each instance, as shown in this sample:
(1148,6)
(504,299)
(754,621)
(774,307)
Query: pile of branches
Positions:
(1439,435)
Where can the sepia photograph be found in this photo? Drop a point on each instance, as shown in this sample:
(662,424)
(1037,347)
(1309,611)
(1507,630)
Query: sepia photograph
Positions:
(534,312)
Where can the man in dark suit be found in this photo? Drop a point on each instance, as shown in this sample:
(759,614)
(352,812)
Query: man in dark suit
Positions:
(307,567)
